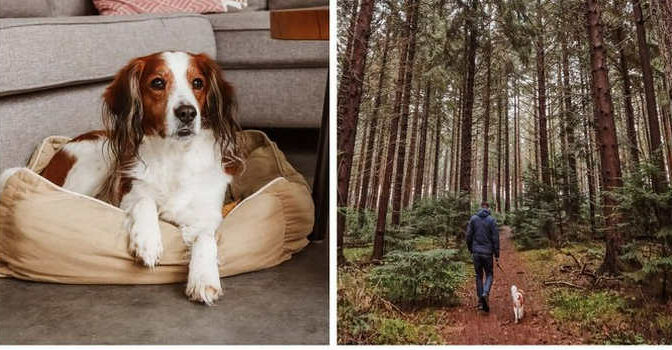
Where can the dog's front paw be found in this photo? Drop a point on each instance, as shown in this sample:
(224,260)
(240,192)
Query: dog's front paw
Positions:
(145,243)
(204,289)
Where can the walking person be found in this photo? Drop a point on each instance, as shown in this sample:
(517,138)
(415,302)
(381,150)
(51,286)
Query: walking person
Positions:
(483,244)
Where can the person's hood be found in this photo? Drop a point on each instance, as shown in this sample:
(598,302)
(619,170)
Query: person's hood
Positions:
(484,213)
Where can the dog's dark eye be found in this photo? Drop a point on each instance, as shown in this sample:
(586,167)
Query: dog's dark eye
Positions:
(158,84)
(198,83)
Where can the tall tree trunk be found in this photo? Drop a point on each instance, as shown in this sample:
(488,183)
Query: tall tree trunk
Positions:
(498,196)
(347,124)
(588,128)
(572,206)
(374,129)
(458,120)
(656,150)
(453,152)
(606,135)
(379,168)
(435,179)
(664,11)
(507,158)
(420,171)
(537,158)
(486,126)
(381,222)
(347,55)
(590,172)
(516,146)
(360,166)
(465,168)
(619,37)
(403,122)
(444,178)
(668,139)
(408,185)
(541,87)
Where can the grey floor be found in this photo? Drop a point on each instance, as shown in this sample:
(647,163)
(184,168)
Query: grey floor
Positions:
(287,304)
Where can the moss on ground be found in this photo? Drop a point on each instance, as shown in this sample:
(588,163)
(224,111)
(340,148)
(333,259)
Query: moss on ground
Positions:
(607,315)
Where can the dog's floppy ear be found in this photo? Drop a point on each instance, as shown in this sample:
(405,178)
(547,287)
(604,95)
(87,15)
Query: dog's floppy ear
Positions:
(219,114)
(122,111)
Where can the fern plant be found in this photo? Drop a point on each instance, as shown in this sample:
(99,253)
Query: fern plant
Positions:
(413,278)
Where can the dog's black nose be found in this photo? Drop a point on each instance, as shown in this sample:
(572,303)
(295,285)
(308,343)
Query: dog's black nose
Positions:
(185,113)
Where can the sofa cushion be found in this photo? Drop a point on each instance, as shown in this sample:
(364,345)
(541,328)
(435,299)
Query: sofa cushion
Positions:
(290,98)
(27,118)
(293,4)
(46,8)
(42,53)
(243,40)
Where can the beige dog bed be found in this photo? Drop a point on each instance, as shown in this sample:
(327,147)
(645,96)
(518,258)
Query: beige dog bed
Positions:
(54,235)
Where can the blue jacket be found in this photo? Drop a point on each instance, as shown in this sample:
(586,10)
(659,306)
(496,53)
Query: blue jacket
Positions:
(482,234)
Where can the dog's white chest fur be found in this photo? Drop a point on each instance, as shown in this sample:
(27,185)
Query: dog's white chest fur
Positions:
(185,178)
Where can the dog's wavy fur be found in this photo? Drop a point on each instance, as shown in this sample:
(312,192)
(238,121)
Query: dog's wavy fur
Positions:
(153,161)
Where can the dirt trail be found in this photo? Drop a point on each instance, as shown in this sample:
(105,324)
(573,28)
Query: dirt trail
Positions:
(466,325)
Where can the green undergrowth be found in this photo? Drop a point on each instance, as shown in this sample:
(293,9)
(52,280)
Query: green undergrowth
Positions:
(612,313)
(419,278)
(364,317)
(392,301)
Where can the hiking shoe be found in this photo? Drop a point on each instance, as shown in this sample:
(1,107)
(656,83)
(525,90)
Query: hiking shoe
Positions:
(480,303)
(486,307)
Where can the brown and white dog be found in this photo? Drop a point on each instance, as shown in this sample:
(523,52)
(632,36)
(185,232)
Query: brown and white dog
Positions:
(168,151)
(518,302)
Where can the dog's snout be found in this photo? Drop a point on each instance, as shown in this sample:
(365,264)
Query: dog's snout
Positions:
(185,113)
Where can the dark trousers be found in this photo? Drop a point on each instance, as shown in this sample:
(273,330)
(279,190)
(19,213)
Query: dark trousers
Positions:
(483,266)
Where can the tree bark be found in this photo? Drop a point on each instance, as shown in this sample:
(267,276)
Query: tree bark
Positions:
(379,236)
(465,167)
(408,185)
(453,152)
(572,206)
(360,166)
(498,196)
(374,129)
(435,179)
(656,150)
(379,169)
(606,135)
(537,159)
(507,158)
(541,87)
(347,124)
(347,56)
(588,127)
(486,126)
(619,37)
(403,122)
(458,121)
(420,171)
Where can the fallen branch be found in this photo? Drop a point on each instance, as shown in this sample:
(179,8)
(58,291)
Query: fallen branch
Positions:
(602,278)
(573,257)
(390,305)
(563,283)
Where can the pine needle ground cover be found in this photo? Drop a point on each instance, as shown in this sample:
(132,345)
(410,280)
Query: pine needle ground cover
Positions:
(619,311)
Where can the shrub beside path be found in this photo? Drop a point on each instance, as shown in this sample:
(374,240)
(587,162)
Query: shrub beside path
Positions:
(465,325)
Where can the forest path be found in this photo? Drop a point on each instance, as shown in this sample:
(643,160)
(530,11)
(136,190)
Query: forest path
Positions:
(464,324)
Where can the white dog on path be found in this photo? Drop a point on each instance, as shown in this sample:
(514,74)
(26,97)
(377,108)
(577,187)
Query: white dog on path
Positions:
(518,302)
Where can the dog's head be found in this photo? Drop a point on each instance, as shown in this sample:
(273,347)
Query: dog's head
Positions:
(172,95)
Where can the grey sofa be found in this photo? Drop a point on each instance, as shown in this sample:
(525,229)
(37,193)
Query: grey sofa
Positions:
(56,57)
